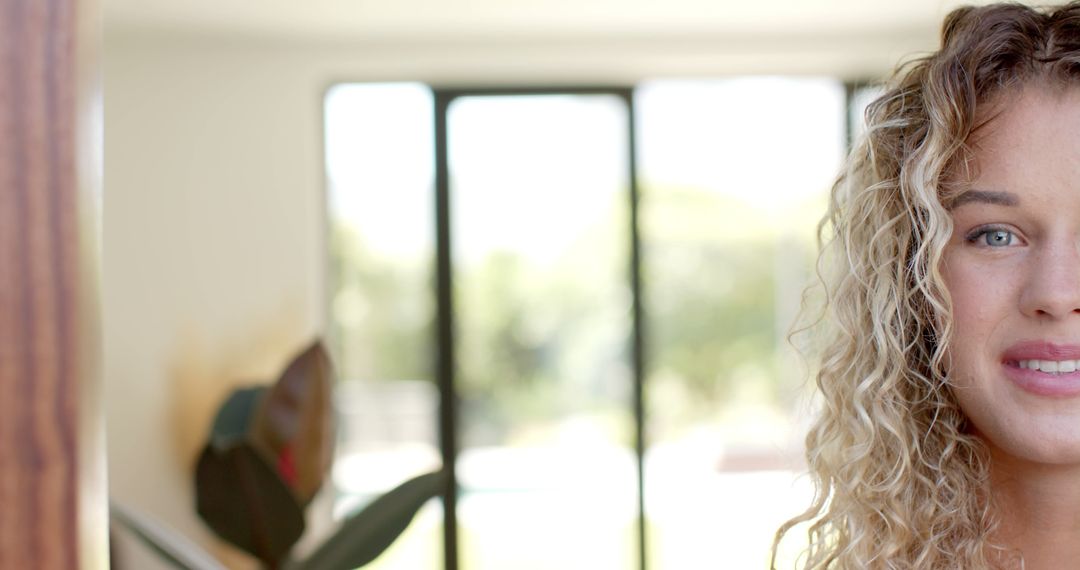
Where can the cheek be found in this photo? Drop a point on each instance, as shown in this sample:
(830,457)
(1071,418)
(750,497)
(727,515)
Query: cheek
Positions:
(968,306)
(972,316)
(972,324)
(982,302)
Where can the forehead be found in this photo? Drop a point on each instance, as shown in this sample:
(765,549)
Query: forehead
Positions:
(1031,145)
(1012,113)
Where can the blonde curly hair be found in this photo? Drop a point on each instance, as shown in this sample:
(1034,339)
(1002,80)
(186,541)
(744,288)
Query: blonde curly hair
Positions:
(901,481)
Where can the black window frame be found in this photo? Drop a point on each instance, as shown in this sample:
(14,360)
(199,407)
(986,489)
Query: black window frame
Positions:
(444,329)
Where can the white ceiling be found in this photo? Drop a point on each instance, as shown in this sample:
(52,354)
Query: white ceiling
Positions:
(578,41)
(393,20)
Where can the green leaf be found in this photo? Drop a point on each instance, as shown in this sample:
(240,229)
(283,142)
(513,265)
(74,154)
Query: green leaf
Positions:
(234,419)
(242,498)
(365,535)
(174,547)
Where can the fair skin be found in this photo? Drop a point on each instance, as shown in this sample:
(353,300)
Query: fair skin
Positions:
(1012,269)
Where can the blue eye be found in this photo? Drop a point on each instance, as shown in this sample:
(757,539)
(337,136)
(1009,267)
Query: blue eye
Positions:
(992,237)
(997,238)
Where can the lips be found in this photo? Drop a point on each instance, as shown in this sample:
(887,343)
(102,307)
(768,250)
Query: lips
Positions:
(1042,350)
(1044,368)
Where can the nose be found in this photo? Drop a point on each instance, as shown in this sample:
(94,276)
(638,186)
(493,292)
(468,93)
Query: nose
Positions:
(1052,287)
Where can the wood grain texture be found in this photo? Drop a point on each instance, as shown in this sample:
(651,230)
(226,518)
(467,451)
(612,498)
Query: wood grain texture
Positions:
(48,293)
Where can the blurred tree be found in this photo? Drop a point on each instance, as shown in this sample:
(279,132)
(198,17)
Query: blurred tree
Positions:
(532,331)
(381,312)
(710,281)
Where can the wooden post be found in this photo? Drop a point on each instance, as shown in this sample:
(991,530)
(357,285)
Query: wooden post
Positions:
(53,510)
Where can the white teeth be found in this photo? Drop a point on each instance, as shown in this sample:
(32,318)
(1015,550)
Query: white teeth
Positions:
(1050,366)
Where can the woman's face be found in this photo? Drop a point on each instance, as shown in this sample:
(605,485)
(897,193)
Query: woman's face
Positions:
(1012,268)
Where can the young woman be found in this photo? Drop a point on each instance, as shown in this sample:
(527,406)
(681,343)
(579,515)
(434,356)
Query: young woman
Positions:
(949,435)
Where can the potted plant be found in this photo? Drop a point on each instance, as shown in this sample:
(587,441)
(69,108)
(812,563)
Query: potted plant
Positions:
(268,453)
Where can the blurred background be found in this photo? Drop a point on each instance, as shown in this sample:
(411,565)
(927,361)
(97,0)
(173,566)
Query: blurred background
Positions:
(632,189)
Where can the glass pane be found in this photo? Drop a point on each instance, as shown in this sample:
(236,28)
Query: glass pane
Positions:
(735,174)
(539,202)
(380,177)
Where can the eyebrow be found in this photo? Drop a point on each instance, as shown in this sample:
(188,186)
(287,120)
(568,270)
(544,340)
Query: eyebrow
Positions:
(986,197)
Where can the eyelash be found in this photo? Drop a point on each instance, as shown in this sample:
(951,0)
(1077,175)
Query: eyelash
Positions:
(974,235)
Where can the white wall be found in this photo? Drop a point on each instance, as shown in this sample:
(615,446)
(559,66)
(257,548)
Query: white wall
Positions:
(213,263)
